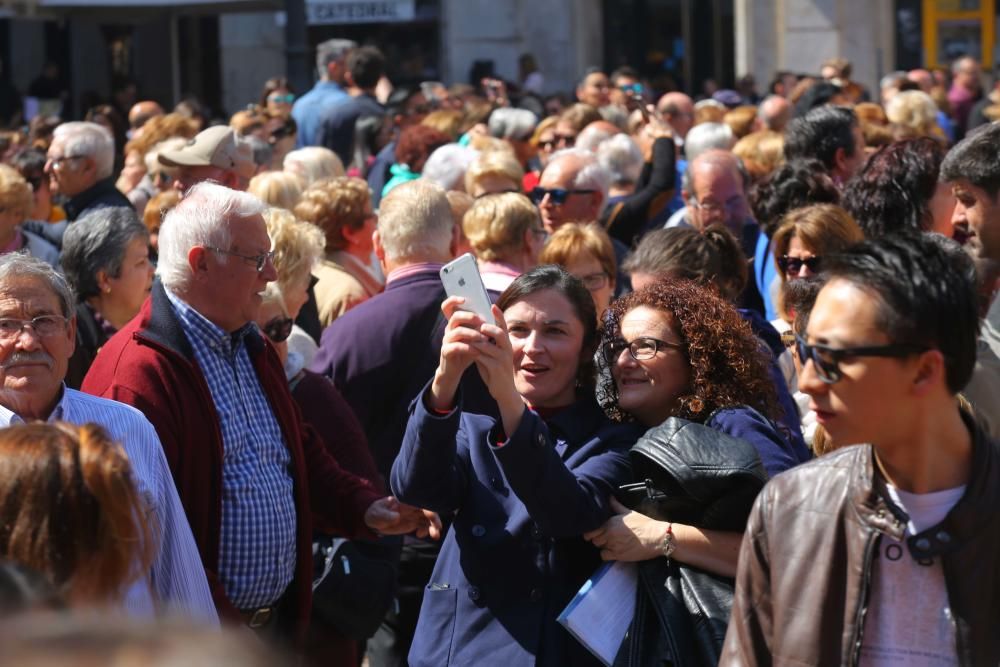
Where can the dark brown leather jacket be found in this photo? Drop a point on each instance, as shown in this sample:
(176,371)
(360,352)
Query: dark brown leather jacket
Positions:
(806,562)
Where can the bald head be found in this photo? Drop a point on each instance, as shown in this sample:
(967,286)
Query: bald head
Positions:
(142,112)
(586,184)
(922,78)
(678,109)
(775,112)
(715,189)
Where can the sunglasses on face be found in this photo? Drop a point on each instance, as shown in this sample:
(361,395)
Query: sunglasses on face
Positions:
(794,264)
(282,99)
(827,359)
(278,329)
(547,145)
(565,140)
(557,196)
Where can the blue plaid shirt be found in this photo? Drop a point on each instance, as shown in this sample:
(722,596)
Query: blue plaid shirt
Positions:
(257,541)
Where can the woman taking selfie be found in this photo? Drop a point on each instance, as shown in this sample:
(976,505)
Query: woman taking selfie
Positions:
(524,488)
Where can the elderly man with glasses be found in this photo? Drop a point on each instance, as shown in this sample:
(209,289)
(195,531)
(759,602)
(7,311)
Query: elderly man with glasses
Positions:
(253,478)
(886,552)
(37,336)
(80,164)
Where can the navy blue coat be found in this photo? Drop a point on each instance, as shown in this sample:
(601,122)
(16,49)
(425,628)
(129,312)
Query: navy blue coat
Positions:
(513,558)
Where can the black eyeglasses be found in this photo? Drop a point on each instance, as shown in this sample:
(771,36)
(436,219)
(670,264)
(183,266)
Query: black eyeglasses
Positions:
(557,196)
(259,261)
(794,264)
(278,329)
(641,348)
(565,140)
(827,359)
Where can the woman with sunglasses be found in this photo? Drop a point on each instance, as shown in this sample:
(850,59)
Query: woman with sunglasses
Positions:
(325,410)
(805,236)
(523,488)
(277,96)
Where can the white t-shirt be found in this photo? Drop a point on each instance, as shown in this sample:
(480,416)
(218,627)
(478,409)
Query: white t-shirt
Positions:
(909,622)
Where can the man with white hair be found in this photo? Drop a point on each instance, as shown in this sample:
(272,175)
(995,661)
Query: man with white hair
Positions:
(382,352)
(37,337)
(774,113)
(252,477)
(80,162)
(516,126)
(308,110)
(573,188)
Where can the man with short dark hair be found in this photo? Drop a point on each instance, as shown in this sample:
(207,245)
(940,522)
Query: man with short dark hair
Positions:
(594,89)
(887,552)
(830,134)
(331,57)
(973,171)
(365,66)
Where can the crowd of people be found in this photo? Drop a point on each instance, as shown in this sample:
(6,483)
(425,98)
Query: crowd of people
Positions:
(747,342)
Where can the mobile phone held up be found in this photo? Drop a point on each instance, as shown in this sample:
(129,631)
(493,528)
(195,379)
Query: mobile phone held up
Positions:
(460,277)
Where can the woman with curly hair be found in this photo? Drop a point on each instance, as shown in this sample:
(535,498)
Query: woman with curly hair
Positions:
(676,349)
(898,189)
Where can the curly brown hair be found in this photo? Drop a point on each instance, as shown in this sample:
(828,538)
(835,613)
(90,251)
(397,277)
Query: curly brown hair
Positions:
(729,366)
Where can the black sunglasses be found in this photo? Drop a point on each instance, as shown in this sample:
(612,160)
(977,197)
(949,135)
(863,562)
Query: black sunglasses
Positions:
(827,359)
(278,329)
(557,196)
(794,264)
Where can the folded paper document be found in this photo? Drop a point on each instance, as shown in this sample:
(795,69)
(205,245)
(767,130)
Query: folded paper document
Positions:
(601,612)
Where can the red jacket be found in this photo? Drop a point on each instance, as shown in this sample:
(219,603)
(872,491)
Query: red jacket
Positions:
(149,364)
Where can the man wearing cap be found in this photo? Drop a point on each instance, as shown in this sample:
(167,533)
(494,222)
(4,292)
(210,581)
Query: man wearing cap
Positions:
(215,154)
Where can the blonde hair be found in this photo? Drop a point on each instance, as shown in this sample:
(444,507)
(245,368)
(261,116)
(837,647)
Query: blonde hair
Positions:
(415,223)
(487,144)
(494,163)
(543,127)
(160,128)
(15,193)
(296,245)
(445,120)
(334,204)
(496,225)
(762,152)
(574,240)
(277,188)
(460,203)
(740,120)
(913,114)
(313,163)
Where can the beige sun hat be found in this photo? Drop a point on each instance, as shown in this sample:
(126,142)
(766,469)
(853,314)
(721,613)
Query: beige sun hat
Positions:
(216,147)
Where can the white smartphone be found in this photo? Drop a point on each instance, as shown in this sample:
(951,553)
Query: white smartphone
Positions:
(461,278)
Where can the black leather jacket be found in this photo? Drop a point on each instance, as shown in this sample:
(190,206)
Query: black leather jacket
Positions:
(695,475)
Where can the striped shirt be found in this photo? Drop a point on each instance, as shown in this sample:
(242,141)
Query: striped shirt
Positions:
(177,577)
(257,550)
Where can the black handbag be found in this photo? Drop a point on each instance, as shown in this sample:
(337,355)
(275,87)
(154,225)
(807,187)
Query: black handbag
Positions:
(354,585)
(695,475)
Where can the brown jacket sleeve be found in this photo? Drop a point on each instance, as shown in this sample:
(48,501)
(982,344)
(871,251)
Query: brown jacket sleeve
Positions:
(748,638)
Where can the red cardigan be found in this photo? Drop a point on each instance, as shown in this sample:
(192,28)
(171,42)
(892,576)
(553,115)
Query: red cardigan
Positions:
(150,365)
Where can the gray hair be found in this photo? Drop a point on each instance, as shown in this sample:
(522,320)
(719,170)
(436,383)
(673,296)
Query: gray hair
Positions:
(615,115)
(514,124)
(415,223)
(83,139)
(98,242)
(19,265)
(200,219)
(592,174)
(447,165)
(892,79)
(330,51)
(592,136)
(705,137)
(622,158)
